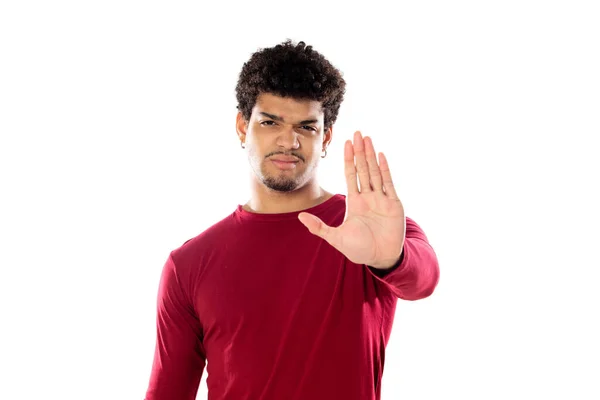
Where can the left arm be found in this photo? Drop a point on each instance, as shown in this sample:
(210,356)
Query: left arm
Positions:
(375,231)
(416,274)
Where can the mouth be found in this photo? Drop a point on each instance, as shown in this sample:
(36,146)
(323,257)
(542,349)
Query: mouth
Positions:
(284,164)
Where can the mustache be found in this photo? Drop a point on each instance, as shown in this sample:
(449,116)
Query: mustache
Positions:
(298,156)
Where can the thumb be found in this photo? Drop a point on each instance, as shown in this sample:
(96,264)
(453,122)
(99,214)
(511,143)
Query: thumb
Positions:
(315,225)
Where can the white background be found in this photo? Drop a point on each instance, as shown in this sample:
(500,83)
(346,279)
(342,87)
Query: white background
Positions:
(118,144)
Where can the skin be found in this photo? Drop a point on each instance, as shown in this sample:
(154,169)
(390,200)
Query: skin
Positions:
(284,132)
(374,228)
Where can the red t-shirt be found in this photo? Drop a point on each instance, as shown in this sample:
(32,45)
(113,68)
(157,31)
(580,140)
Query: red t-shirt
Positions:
(277,312)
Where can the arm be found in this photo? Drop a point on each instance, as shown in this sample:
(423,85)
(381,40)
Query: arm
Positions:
(416,274)
(179,356)
(375,231)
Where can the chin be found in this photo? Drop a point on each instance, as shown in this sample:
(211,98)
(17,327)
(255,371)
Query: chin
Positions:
(281,185)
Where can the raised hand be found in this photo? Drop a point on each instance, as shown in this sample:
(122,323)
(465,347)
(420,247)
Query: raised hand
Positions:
(374,227)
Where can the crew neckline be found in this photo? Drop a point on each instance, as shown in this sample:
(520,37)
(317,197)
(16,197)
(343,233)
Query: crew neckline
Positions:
(292,215)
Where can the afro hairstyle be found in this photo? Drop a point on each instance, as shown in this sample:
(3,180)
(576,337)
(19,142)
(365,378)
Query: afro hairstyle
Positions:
(291,70)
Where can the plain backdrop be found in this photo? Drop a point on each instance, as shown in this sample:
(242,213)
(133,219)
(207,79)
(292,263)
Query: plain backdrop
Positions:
(118,144)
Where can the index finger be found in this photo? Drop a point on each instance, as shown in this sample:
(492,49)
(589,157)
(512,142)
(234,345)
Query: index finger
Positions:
(350,168)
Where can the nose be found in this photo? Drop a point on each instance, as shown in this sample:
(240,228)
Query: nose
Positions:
(288,138)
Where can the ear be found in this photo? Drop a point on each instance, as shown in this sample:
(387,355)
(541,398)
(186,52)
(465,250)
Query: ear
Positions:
(241,126)
(327,136)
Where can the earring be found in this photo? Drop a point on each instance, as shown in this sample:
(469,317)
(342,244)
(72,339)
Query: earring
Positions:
(242,144)
(324,155)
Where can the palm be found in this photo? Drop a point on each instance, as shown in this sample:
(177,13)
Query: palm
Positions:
(373,230)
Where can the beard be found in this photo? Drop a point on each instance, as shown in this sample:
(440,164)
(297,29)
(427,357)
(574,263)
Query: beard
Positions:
(280,184)
(280,181)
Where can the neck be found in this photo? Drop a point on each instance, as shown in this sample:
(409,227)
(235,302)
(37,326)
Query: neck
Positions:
(267,201)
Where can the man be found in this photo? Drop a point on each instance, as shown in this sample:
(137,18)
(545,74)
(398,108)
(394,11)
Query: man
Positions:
(292,296)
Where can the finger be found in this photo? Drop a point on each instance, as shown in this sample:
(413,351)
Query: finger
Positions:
(386,175)
(374,172)
(361,163)
(350,168)
(319,228)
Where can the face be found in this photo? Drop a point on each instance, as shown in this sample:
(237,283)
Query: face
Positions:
(284,139)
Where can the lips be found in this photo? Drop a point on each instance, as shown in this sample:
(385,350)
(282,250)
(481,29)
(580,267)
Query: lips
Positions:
(285,159)
(285,163)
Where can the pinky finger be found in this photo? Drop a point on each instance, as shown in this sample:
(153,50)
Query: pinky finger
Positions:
(386,176)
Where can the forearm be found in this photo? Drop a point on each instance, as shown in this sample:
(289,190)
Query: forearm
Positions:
(416,273)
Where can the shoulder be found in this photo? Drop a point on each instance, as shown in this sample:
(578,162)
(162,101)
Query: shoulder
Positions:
(193,252)
(334,212)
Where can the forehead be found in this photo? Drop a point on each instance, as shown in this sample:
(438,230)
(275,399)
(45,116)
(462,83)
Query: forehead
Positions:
(288,108)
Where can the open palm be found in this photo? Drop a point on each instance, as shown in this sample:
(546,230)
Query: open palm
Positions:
(374,227)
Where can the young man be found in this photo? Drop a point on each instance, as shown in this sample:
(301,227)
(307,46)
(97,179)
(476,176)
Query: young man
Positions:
(292,295)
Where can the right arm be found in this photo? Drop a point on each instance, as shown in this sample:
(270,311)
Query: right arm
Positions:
(179,356)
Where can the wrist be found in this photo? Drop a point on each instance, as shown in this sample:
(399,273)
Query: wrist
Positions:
(385,266)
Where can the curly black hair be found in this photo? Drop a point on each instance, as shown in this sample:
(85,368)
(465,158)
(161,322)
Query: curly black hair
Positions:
(291,70)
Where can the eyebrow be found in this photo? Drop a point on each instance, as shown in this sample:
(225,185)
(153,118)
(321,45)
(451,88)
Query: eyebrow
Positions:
(278,118)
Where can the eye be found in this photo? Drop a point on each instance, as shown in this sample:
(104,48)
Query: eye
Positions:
(267,123)
(310,128)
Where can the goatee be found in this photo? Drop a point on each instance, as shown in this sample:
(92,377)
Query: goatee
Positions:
(280,185)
